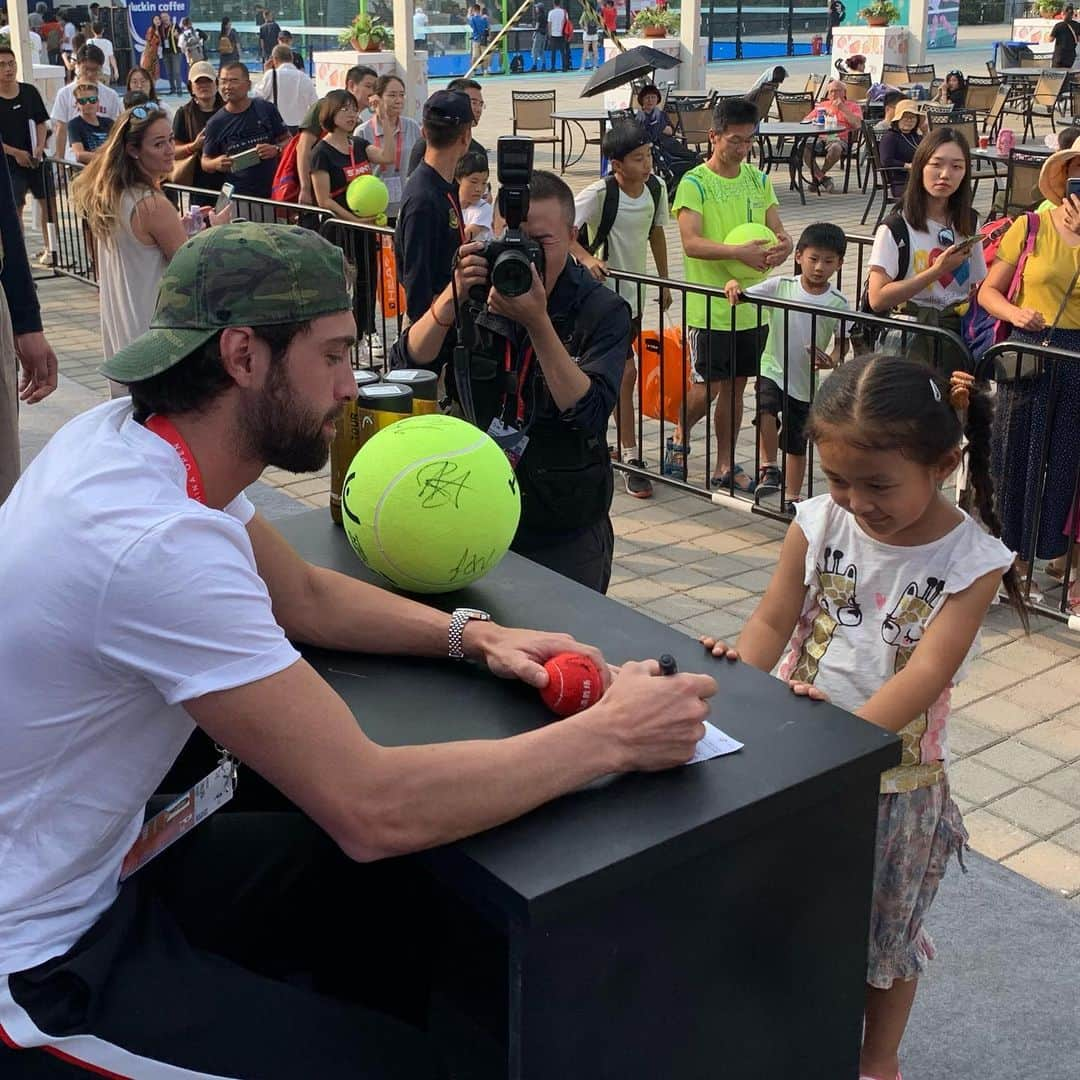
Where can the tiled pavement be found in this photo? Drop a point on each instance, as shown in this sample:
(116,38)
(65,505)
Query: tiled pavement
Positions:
(701,568)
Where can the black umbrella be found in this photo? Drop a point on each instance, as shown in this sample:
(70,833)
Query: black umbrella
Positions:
(626,67)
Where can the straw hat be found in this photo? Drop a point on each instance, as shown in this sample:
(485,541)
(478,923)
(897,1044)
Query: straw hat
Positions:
(1052,176)
(905,106)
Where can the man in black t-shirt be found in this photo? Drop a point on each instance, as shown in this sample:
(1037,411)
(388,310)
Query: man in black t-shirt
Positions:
(1064,36)
(268,35)
(244,124)
(472,90)
(429,230)
(21,108)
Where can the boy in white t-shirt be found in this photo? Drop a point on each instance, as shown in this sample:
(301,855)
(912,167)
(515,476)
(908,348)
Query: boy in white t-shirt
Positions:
(785,386)
(621,241)
(111,71)
(471,175)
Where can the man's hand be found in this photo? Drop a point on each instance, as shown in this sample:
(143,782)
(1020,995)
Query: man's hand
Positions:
(529,309)
(38,361)
(596,267)
(521,654)
(471,269)
(22,157)
(656,720)
(755,254)
(782,252)
(267,150)
(218,164)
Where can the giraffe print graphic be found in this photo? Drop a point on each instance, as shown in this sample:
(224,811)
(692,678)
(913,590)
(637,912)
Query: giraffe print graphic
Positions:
(836,593)
(903,627)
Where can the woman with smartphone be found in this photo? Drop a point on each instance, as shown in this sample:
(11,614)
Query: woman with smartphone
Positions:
(136,228)
(944,260)
(1044,309)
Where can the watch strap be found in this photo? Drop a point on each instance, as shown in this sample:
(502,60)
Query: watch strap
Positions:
(455,637)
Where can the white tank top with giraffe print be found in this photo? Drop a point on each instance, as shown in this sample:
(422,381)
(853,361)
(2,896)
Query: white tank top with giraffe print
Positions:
(867,605)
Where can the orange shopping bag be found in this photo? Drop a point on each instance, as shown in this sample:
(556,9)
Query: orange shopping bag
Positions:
(391,294)
(663,354)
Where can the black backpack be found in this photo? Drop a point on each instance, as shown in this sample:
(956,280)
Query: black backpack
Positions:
(610,208)
(864,336)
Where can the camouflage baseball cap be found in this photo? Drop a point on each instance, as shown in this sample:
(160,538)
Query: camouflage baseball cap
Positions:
(241,274)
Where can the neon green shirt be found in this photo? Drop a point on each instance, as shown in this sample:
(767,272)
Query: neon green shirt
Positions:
(722,203)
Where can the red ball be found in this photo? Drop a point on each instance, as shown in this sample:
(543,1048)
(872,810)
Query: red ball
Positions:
(574,683)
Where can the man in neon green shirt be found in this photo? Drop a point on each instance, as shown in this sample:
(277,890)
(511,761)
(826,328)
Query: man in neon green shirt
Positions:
(711,200)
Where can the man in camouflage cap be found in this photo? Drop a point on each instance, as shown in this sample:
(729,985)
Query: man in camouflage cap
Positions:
(145,597)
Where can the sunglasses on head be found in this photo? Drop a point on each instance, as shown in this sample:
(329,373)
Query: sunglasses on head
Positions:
(143,112)
(86,100)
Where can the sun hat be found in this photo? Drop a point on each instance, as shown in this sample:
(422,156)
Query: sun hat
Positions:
(904,107)
(201,70)
(241,274)
(1052,175)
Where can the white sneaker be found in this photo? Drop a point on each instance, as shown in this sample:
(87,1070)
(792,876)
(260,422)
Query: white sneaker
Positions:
(376,349)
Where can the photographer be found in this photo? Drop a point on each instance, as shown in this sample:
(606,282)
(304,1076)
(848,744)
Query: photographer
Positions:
(540,371)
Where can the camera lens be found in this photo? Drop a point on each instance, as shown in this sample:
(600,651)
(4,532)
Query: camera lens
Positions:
(512,274)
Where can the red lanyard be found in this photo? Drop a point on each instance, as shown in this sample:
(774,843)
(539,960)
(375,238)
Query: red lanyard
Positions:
(397,151)
(526,365)
(164,428)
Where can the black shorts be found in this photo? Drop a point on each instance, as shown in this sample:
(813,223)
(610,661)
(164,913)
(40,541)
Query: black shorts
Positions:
(24,180)
(710,352)
(772,400)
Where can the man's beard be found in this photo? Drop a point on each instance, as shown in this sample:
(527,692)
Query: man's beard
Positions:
(276,431)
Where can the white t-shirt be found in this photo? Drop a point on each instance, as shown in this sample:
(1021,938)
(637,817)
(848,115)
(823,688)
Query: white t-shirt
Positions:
(628,242)
(419,25)
(800,333)
(556,22)
(123,598)
(480,213)
(295,93)
(925,248)
(867,606)
(106,46)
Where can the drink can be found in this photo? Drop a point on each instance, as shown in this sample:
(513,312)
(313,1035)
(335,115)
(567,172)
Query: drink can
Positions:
(345,444)
(821,117)
(424,385)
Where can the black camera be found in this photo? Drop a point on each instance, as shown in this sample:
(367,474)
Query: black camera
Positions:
(510,257)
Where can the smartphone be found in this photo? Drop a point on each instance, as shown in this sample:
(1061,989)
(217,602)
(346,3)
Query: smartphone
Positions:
(968,243)
(1072,186)
(225,197)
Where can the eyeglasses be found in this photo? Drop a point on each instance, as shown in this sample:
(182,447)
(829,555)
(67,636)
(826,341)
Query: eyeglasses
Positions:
(86,101)
(738,140)
(144,112)
(946,237)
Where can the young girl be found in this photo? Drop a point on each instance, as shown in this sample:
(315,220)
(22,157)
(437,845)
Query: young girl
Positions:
(876,604)
(388,127)
(940,275)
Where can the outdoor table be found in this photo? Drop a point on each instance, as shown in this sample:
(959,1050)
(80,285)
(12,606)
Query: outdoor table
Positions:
(703,921)
(799,133)
(576,119)
(990,153)
(1035,72)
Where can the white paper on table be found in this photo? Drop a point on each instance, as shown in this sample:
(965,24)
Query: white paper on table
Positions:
(714,744)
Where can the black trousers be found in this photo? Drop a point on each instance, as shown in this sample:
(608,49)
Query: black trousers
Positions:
(585,557)
(252,948)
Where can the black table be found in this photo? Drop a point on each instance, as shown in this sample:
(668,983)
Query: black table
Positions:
(799,134)
(703,922)
(572,119)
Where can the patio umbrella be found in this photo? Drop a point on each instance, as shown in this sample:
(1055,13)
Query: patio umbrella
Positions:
(626,67)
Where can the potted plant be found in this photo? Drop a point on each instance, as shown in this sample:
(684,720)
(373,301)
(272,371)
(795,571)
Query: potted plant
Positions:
(1048,9)
(367,34)
(654,22)
(880,13)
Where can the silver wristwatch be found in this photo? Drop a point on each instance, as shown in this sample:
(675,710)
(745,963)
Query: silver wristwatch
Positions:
(460,617)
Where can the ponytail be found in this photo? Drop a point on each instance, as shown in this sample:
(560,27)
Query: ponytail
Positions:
(977,427)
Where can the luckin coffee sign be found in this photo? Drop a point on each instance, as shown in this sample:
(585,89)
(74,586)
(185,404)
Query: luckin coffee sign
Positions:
(142,12)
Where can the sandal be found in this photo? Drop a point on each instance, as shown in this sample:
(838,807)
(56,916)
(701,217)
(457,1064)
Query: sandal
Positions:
(718,483)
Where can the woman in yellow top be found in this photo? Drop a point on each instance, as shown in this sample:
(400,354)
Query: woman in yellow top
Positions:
(1024,405)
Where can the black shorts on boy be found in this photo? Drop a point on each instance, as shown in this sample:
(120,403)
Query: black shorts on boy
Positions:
(794,413)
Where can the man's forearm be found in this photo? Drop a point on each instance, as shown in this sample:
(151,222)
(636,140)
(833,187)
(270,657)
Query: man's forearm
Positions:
(567,383)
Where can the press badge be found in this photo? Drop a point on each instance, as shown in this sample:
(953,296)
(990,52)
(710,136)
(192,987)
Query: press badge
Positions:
(509,440)
(181,816)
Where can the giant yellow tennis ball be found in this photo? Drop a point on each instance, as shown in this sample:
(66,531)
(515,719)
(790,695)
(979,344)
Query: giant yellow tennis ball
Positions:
(431,503)
(367,196)
(744,234)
